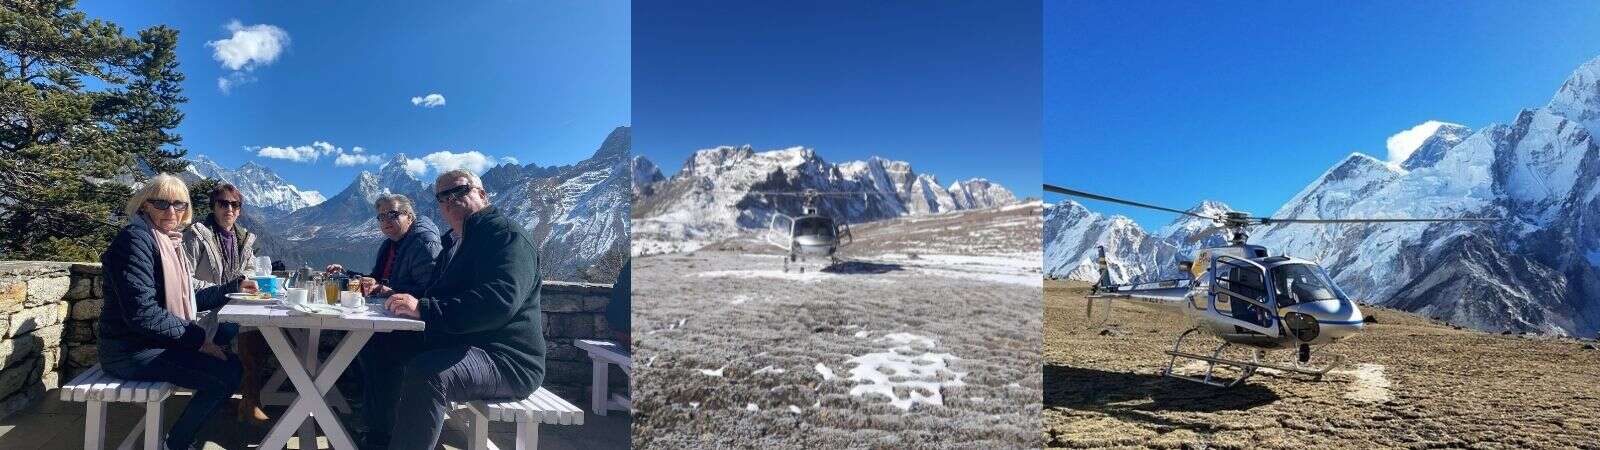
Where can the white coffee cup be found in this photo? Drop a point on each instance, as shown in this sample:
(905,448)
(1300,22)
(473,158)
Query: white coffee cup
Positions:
(297,296)
(351,299)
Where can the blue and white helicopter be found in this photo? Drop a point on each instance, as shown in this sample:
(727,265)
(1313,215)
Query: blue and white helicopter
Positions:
(1244,297)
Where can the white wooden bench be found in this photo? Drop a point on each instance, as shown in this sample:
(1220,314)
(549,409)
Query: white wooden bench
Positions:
(541,407)
(605,354)
(96,388)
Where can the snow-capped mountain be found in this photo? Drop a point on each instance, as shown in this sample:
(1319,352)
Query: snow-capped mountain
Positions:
(726,189)
(577,214)
(1072,233)
(645,174)
(260,186)
(1537,269)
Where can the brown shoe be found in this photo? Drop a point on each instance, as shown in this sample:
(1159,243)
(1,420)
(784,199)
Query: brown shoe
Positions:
(251,412)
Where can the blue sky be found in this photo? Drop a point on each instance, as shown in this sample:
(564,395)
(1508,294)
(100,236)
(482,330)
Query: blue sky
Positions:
(952,87)
(1147,100)
(538,81)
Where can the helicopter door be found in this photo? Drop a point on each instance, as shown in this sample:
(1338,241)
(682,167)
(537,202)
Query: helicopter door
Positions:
(842,231)
(781,231)
(1238,295)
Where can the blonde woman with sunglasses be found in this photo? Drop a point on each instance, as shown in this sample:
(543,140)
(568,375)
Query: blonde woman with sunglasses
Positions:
(148,330)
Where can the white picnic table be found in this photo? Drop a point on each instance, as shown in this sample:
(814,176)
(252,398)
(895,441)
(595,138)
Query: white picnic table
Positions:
(311,377)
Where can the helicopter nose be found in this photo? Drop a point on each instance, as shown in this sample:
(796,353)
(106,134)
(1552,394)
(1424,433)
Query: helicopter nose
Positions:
(1336,319)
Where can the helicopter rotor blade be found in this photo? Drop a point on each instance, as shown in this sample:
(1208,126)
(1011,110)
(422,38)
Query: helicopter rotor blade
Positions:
(1269,220)
(1077,193)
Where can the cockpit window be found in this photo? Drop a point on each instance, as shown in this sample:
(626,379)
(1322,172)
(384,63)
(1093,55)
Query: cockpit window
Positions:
(1300,283)
(814,226)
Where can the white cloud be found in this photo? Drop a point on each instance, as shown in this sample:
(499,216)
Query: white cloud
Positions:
(227,82)
(302,153)
(356,159)
(325,147)
(318,150)
(416,167)
(249,46)
(428,101)
(1402,144)
(446,161)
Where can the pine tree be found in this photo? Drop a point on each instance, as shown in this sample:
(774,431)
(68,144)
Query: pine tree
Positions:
(67,151)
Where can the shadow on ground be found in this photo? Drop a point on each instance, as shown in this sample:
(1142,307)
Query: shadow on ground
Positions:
(1134,396)
(861,268)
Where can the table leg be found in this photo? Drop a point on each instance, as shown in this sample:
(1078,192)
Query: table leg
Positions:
(311,403)
(308,428)
(272,391)
(599,383)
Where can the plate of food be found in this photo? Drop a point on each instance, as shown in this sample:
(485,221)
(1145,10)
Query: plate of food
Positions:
(256,297)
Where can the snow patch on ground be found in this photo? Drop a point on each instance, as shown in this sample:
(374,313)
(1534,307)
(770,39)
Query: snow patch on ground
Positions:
(827,374)
(806,277)
(909,372)
(769,369)
(1370,385)
(641,246)
(1020,268)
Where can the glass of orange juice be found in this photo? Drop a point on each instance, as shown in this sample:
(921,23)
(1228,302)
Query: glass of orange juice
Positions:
(331,288)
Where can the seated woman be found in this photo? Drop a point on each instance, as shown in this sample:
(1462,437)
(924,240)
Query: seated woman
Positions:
(223,250)
(406,256)
(147,327)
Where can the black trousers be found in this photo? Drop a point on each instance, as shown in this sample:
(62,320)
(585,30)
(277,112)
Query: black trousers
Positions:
(410,392)
(213,380)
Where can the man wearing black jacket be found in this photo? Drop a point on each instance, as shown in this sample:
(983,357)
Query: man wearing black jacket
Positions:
(484,338)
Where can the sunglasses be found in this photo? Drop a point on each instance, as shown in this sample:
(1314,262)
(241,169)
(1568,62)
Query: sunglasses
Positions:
(175,205)
(231,205)
(453,193)
(390,216)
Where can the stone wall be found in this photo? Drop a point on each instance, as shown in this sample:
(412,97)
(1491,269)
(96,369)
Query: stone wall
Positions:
(575,311)
(50,311)
(34,308)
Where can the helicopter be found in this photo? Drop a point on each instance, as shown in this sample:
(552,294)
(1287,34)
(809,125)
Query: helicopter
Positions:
(810,234)
(1244,297)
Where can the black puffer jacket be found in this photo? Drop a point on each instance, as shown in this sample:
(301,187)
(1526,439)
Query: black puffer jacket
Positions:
(135,315)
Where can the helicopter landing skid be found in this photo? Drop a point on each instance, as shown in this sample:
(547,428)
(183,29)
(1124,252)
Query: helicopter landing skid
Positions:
(1246,368)
(800,263)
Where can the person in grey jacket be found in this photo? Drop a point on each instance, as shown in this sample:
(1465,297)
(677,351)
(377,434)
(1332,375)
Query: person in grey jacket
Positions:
(223,250)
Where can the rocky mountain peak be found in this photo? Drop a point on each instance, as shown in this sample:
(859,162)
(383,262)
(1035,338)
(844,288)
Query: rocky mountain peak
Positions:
(1434,147)
(617,144)
(1578,99)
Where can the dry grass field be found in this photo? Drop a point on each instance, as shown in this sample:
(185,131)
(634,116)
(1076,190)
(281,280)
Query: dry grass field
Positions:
(1408,382)
(928,337)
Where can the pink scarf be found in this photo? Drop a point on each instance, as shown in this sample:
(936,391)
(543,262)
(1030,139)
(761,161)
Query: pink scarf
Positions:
(175,273)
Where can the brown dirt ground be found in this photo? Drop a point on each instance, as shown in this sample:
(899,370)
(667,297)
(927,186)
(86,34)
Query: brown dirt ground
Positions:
(1448,387)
